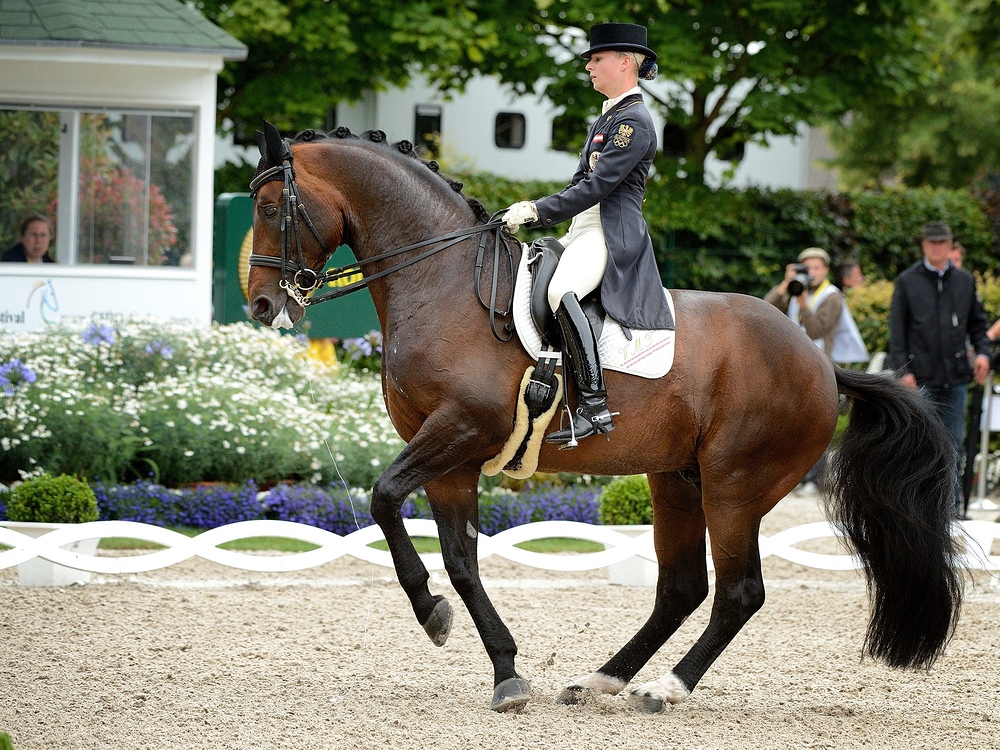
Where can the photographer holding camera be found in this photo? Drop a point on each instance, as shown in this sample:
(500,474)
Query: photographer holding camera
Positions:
(808,298)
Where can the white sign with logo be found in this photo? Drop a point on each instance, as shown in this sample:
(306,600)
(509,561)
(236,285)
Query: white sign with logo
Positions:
(34,298)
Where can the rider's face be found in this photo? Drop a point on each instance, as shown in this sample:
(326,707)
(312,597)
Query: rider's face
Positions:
(607,72)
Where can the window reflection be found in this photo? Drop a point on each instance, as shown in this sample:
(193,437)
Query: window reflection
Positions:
(134,175)
(135,188)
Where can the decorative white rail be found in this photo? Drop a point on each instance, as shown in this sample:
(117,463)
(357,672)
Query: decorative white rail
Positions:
(978,541)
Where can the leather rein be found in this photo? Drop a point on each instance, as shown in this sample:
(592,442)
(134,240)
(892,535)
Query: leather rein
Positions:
(300,281)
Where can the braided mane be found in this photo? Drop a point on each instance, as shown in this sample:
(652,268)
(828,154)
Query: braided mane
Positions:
(404,147)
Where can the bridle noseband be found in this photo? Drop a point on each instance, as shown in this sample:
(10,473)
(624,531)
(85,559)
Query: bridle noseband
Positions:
(299,280)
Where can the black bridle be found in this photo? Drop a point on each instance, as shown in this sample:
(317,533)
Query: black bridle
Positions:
(299,280)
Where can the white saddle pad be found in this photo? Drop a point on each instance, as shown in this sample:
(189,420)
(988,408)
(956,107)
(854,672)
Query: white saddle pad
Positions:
(649,354)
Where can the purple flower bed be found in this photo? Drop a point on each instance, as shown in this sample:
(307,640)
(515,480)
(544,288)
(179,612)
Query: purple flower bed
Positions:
(140,502)
(543,502)
(207,507)
(200,507)
(331,508)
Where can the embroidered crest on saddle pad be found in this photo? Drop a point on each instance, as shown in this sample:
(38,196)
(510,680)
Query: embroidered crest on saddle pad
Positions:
(648,354)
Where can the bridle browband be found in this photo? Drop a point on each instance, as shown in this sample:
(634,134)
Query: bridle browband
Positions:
(298,280)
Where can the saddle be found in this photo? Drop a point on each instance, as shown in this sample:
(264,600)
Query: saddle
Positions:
(646,354)
(543,257)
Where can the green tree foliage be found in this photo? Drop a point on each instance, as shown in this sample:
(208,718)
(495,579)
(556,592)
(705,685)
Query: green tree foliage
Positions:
(739,71)
(943,134)
(307,55)
(745,70)
(29,168)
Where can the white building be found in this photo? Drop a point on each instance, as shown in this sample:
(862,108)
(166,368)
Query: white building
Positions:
(122,97)
(489,128)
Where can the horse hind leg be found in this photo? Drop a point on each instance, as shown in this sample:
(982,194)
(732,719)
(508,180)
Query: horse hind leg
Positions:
(739,593)
(681,586)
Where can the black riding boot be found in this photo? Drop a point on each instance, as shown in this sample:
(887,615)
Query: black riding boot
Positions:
(580,357)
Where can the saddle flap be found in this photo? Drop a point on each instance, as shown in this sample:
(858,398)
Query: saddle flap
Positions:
(543,258)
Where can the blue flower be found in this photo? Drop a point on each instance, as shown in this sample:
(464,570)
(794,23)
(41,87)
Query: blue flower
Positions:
(358,347)
(161,348)
(99,333)
(14,374)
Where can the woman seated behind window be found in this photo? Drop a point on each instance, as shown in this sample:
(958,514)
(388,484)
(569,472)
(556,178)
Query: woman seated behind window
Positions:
(36,233)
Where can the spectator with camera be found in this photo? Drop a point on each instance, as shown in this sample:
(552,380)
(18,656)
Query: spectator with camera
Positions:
(935,315)
(817,306)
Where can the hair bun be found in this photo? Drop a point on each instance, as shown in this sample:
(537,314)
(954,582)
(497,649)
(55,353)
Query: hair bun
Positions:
(648,70)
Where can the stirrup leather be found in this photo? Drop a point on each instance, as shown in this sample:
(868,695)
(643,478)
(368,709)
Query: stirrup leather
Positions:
(580,358)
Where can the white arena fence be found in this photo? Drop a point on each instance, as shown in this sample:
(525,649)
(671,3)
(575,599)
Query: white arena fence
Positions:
(977,540)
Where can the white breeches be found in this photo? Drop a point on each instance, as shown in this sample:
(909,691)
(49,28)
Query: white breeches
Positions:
(581,268)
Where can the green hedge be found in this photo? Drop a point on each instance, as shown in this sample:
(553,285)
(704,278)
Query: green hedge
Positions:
(740,240)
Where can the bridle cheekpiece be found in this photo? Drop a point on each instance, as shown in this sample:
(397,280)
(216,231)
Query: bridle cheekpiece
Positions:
(297,278)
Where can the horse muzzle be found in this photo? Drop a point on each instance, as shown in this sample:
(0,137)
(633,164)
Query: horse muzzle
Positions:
(276,310)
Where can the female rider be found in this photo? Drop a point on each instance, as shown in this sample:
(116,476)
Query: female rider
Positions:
(608,244)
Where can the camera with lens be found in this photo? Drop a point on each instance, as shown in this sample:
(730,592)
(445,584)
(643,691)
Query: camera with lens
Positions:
(801,281)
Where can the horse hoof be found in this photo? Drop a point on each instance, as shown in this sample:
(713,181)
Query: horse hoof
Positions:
(575,695)
(511,695)
(646,703)
(438,625)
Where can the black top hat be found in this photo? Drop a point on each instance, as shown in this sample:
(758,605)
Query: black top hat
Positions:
(620,37)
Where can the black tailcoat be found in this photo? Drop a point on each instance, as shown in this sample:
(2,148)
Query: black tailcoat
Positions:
(612,171)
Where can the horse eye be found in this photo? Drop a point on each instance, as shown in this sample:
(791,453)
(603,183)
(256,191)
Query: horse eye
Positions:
(270,211)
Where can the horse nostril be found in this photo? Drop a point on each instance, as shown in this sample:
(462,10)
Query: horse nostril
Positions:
(261,307)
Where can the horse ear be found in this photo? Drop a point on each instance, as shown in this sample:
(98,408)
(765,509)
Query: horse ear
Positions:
(270,144)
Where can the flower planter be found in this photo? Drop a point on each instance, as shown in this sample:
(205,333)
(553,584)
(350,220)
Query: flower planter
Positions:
(635,571)
(41,572)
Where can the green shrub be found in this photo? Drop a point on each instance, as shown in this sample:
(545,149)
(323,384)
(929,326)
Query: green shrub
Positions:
(627,500)
(49,499)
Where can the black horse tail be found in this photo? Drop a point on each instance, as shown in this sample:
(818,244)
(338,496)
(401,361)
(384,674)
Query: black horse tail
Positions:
(892,493)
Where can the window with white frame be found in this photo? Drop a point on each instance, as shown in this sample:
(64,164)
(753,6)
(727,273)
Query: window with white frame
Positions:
(117,185)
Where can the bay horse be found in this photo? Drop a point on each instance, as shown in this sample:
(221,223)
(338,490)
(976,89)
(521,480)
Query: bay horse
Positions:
(748,407)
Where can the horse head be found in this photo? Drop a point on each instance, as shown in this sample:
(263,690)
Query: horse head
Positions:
(289,248)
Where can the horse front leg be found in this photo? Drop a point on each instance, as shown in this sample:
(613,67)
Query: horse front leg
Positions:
(418,463)
(455,502)
(437,449)
(681,585)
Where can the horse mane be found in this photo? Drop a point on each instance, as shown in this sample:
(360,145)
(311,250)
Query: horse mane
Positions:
(378,137)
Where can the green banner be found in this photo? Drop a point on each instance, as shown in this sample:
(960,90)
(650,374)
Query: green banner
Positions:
(347,317)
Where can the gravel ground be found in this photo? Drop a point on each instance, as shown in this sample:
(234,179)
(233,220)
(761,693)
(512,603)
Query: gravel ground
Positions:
(203,656)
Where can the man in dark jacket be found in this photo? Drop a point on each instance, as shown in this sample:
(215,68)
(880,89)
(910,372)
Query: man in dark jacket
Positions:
(936,312)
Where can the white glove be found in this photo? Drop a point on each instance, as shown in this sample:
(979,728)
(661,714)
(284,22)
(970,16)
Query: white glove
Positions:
(520,213)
